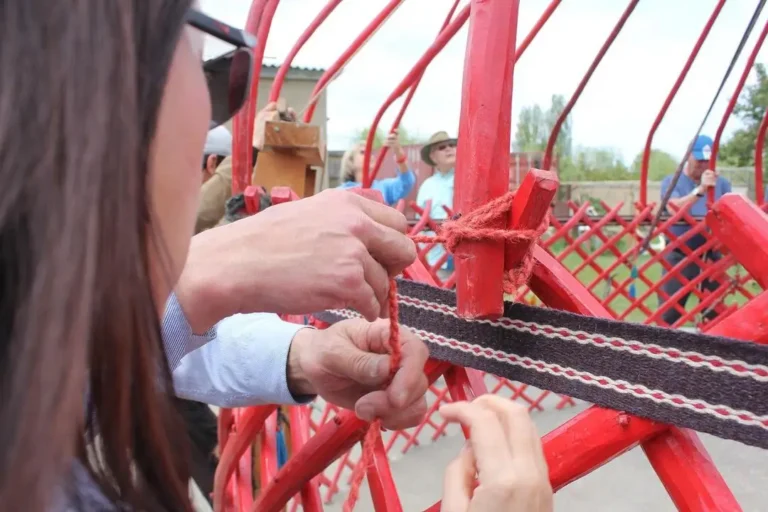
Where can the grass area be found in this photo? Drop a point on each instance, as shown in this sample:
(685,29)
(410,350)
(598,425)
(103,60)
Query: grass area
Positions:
(620,303)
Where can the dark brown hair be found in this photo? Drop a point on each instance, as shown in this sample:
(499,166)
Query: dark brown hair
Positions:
(80,89)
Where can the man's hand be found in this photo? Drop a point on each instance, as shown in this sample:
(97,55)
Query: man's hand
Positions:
(348,365)
(708,179)
(332,250)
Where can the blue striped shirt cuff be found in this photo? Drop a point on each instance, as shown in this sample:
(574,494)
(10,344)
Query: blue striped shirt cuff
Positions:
(178,338)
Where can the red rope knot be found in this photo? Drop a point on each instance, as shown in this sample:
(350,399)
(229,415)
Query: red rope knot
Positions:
(480,226)
(473,227)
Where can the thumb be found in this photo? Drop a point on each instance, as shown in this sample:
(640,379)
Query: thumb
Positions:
(458,482)
(366,368)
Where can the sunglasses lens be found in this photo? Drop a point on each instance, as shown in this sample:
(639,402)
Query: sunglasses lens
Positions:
(229,81)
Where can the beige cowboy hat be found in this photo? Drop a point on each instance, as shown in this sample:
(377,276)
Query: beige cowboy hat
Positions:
(434,140)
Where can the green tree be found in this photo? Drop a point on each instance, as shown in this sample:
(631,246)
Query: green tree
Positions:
(378,138)
(661,164)
(739,150)
(534,126)
(595,164)
(406,137)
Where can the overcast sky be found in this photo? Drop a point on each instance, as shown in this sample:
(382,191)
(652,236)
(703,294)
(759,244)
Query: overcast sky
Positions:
(616,109)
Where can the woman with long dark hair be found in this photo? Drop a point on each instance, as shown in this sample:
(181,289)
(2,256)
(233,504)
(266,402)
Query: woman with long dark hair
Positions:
(107,307)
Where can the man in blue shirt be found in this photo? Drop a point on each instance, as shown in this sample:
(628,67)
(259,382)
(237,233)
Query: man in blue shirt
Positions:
(691,191)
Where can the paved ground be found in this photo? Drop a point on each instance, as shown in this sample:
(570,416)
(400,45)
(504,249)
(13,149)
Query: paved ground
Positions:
(626,484)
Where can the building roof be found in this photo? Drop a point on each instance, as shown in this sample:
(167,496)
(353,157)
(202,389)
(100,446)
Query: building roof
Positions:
(295,73)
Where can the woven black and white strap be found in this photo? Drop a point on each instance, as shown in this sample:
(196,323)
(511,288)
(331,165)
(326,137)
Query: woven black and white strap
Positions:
(706,383)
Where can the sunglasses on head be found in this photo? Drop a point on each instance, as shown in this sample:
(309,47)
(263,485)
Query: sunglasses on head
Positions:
(229,75)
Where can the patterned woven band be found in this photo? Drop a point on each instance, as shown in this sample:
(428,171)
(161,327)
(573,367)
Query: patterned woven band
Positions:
(706,383)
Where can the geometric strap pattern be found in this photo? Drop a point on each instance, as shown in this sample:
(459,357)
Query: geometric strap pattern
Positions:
(706,383)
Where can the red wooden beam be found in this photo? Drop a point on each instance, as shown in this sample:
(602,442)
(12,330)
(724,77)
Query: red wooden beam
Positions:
(410,79)
(688,63)
(743,228)
(348,54)
(759,144)
(529,210)
(580,88)
(259,22)
(482,164)
(277,84)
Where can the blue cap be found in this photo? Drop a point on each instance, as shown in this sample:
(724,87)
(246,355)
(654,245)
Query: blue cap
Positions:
(702,147)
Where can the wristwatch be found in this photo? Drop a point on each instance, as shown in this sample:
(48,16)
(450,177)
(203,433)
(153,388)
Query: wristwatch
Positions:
(698,191)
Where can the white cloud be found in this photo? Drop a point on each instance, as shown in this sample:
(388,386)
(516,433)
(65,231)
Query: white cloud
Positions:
(616,109)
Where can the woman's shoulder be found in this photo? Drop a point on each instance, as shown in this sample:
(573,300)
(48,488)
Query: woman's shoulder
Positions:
(82,494)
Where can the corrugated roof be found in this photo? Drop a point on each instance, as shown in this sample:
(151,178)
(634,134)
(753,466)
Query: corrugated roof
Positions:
(294,68)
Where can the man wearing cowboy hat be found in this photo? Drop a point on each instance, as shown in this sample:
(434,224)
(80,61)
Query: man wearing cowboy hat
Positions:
(440,153)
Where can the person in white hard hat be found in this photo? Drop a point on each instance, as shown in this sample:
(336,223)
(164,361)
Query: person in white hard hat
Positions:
(218,146)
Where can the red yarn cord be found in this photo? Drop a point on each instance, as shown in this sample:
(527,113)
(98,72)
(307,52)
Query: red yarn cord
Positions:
(472,227)
(395,351)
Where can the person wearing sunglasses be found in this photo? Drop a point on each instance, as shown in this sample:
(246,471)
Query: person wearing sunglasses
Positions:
(109,303)
(439,153)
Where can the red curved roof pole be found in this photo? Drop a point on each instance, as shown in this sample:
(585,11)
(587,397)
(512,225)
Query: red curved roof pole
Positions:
(259,22)
(355,47)
(445,36)
(277,84)
(647,151)
(403,108)
(759,144)
(732,104)
(569,106)
(536,28)
(520,50)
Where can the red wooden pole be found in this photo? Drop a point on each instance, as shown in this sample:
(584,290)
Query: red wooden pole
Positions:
(277,83)
(759,144)
(350,52)
(547,162)
(259,23)
(408,98)
(647,151)
(411,78)
(482,163)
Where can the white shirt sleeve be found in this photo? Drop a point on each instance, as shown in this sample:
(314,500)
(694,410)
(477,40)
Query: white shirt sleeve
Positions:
(243,364)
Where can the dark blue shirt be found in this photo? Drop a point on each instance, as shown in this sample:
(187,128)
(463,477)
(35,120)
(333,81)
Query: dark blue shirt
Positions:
(684,187)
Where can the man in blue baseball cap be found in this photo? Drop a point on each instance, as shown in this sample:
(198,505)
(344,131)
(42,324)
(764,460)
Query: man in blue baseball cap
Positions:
(691,191)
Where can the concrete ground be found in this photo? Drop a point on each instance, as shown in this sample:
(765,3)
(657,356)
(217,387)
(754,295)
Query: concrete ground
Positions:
(626,484)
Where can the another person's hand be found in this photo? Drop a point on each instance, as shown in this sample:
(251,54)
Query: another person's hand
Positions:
(348,365)
(393,142)
(332,250)
(268,113)
(708,179)
(502,467)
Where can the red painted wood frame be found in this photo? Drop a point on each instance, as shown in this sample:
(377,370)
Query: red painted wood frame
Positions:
(682,464)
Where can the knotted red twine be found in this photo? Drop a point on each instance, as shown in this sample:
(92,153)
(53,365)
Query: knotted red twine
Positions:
(472,227)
